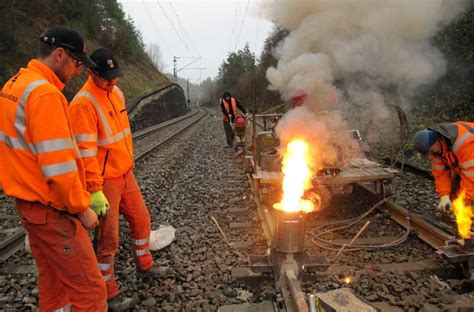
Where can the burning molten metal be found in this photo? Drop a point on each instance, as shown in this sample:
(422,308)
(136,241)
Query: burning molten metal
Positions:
(463,214)
(297,178)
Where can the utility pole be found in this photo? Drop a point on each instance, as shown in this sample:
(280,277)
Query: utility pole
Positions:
(175,63)
(188,101)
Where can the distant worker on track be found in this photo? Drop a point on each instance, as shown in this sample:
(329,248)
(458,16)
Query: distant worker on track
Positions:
(102,131)
(40,166)
(450,147)
(230,110)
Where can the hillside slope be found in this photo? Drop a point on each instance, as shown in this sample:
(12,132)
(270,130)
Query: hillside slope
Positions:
(103,24)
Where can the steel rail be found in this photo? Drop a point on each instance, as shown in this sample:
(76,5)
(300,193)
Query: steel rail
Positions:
(12,243)
(147,131)
(147,151)
(427,232)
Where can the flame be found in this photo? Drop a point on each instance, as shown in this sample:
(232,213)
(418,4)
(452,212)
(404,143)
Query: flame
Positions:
(463,214)
(297,178)
(347,280)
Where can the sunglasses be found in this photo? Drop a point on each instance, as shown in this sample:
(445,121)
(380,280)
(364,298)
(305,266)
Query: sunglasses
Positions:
(77,62)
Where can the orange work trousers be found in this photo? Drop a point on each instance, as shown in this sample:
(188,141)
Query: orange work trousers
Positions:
(67,266)
(124,196)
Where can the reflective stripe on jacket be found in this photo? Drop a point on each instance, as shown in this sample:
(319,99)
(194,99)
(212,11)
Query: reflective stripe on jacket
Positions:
(102,131)
(457,156)
(39,160)
(230,109)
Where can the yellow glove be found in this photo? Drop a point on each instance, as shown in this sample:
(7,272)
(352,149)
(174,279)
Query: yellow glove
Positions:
(444,204)
(99,203)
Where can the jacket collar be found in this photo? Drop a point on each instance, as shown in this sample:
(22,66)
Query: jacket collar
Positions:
(46,72)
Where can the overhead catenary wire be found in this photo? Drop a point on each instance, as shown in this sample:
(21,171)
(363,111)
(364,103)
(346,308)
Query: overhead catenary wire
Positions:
(156,27)
(173,26)
(233,26)
(242,24)
(183,29)
(258,25)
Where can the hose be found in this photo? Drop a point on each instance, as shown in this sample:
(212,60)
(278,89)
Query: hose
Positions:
(344,224)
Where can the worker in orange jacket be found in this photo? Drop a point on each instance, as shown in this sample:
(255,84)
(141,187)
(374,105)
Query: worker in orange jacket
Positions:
(102,131)
(230,110)
(40,166)
(450,147)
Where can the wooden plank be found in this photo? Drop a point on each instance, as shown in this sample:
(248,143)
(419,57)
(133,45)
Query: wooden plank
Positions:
(346,176)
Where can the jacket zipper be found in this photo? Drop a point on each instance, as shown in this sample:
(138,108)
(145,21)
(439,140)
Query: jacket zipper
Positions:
(120,123)
(105,162)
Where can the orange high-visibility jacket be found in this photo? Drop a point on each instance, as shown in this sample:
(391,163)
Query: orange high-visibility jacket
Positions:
(457,157)
(229,109)
(39,160)
(102,131)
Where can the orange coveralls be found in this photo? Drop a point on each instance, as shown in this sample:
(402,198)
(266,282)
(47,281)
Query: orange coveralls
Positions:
(456,158)
(102,131)
(41,167)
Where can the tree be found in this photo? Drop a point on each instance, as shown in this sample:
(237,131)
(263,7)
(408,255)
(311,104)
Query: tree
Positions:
(236,75)
(156,56)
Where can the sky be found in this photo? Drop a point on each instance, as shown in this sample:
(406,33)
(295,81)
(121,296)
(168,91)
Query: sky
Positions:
(200,31)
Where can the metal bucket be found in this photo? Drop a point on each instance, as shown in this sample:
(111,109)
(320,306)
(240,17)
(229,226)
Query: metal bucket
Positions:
(270,160)
(289,231)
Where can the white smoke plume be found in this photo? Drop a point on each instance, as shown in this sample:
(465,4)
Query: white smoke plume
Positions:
(347,53)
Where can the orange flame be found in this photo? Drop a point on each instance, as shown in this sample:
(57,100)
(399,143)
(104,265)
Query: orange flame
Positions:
(297,178)
(463,214)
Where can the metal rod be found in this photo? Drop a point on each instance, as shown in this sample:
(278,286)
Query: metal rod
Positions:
(273,108)
(254,126)
(362,229)
(222,232)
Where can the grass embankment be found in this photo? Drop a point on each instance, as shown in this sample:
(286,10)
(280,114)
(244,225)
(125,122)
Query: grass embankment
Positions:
(140,75)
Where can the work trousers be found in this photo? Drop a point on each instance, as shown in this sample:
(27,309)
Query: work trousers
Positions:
(229,133)
(124,196)
(67,266)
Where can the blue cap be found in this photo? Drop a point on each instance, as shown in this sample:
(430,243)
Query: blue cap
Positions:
(424,139)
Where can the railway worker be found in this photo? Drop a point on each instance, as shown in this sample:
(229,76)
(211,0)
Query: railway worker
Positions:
(450,147)
(40,166)
(102,131)
(230,110)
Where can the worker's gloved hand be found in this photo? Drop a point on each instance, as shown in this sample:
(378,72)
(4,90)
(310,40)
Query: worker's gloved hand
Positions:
(99,203)
(444,204)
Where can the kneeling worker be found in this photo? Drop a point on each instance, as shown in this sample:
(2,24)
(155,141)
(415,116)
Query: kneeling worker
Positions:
(450,147)
(102,131)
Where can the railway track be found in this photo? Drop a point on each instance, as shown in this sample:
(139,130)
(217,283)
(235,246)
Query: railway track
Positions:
(418,257)
(148,140)
(193,179)
(400,246)
(145,142)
